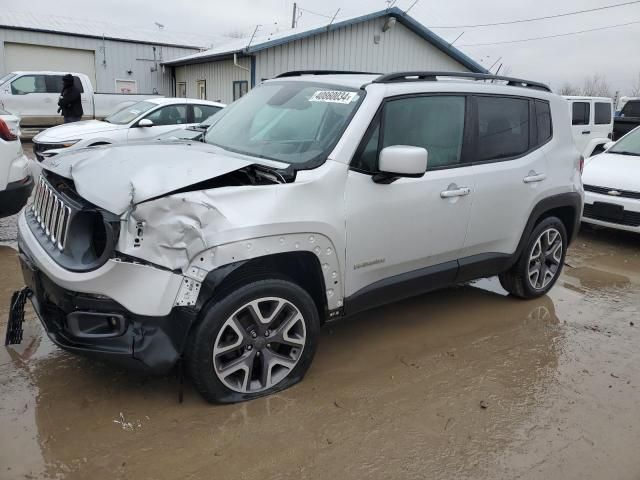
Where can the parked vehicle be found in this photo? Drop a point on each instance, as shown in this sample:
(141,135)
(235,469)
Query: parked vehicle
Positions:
(612,185)
(142,121)
(591,123)
(622,101)
(33,96)
(15,182)
(628,119)
(315,196)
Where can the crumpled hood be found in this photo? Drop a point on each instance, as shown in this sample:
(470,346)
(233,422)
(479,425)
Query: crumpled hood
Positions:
(613,171)
(116,177)
(75,130)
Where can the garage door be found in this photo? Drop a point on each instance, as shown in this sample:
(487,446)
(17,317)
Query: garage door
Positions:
(22,56)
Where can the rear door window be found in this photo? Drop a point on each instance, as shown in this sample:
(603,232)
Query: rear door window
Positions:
(602,114)
(581,113)
(202,112)
(503,128)
(54,83)
(169,115)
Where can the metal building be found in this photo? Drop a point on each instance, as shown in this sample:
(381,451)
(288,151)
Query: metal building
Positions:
(384,41)
(116,58)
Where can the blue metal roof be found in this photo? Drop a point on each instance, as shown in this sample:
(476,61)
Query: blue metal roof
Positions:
(405,19)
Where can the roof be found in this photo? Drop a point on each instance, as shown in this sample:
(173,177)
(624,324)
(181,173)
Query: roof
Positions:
(174,100)
(97,29)
(267,41)
(582,97)
(349,80)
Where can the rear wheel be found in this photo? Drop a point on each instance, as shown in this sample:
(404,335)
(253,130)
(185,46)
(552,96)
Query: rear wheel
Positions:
(540,263)
(259,339)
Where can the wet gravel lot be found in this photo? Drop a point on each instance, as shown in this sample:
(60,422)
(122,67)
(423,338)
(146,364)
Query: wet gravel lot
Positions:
(462,383)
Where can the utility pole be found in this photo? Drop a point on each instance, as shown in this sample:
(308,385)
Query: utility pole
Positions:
(295,13)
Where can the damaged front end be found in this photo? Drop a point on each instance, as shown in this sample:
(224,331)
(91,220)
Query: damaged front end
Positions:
(107,261)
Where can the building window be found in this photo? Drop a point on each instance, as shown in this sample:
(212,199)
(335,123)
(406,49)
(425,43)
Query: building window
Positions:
(240,88)
(201,89)
(181,90)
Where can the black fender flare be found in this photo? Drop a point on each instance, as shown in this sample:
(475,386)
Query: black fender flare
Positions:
(546,205)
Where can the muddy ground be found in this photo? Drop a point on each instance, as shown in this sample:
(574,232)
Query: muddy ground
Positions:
(462,383)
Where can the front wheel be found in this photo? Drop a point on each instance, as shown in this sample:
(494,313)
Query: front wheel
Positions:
(259,339)
(540,263)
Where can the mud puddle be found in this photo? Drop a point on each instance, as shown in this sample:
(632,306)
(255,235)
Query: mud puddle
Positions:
(463,383)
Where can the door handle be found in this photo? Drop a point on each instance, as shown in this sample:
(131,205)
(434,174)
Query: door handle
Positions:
(586,132)
(458,192)
(534,177)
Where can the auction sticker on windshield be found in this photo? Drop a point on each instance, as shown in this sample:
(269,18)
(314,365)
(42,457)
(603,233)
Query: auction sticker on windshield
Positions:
(333,96)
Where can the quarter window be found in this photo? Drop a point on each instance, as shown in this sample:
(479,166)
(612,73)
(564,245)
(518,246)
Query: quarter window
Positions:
(503,128)
(602,113)
(543,120)
(581,113)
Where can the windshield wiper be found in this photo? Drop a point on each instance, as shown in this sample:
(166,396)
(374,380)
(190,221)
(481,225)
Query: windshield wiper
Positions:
(625,152)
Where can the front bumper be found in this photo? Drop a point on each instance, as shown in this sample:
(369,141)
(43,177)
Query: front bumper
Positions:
(99,327)
(15,196)
(122,311)
(629,221)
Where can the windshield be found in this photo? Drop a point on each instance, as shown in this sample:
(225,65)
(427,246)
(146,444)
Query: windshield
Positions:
(292,122)
(127,114)
(628,145)
(7,77)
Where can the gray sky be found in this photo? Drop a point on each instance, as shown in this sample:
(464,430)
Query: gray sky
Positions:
(613,53)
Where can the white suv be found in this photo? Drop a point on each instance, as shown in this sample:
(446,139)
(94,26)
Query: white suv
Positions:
(314,197)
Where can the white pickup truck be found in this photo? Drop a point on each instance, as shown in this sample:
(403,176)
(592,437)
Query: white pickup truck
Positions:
(33,96)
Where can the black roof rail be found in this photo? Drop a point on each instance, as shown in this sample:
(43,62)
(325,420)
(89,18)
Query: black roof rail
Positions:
(298,73)
(433,76)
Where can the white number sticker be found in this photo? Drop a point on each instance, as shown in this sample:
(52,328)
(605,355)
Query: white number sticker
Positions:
(333,96)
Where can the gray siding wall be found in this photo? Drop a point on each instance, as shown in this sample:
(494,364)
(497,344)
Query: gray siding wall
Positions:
(119,57)
(355,48)
(219,76)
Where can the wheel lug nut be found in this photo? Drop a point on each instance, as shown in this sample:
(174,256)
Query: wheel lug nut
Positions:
(267,333)
(249,347)
(254,334)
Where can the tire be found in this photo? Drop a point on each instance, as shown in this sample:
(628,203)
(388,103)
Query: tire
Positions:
(521,280)
(249,366)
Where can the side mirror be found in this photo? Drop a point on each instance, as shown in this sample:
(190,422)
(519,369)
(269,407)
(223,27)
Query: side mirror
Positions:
(145,122)
(608,145)
(401,161)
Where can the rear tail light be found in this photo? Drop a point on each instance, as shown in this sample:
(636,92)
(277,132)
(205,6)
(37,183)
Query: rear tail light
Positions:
(581,164)
(5,132)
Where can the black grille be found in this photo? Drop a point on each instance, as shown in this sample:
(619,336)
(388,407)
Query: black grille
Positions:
(40,148)
(606,190)
(630,219)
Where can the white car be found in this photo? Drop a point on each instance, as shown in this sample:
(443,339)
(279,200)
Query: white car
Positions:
(15,181)
(313,197)
(146,120)
(612,185)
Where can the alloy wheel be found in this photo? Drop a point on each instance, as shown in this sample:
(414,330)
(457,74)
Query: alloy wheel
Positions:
(259,345)
(545,259)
